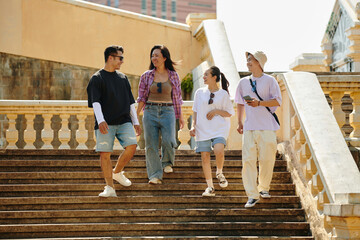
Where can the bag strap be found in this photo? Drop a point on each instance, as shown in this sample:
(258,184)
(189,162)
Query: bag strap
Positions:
(253,86)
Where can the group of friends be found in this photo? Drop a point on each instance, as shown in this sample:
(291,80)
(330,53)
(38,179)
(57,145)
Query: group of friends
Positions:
(257,96)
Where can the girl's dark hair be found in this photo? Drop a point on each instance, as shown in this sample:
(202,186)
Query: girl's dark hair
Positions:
(112,50)
(215,71)
(169,64)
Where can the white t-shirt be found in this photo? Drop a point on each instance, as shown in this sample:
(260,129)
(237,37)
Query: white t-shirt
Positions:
(218,126)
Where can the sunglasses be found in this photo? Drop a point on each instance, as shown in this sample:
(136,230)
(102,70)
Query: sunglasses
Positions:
(159,87)
(120,57)
(211,100)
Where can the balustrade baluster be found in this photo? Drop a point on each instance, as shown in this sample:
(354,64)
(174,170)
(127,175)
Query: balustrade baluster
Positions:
(47,134)
(64,132)
(354,119)
(81,132)
(184,134)
(12,133)
(339,114)
(29,133)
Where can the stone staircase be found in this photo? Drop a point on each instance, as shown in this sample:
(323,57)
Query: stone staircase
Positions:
(53,194)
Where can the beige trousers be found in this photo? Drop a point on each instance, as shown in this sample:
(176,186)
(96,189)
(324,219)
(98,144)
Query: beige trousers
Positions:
(258,145)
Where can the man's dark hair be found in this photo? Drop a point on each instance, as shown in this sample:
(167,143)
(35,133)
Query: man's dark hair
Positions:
(111,50)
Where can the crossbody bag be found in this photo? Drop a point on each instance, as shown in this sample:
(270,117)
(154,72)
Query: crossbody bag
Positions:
(253,86)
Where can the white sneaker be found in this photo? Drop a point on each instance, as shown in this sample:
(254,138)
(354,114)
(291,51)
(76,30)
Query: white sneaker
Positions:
(120,177)
(251,202)
(108,192)
(155,181)
(222,180)
(209,192)
(265,194)
(168,169)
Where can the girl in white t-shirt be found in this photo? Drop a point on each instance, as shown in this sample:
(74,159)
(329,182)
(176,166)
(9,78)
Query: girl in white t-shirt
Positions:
(211,124)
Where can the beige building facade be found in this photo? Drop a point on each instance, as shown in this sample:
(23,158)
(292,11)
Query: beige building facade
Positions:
(174,10)
(340,44)
(74,34)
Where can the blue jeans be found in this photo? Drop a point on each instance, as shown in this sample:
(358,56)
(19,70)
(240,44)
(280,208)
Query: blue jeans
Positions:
(159,119)
(205,146)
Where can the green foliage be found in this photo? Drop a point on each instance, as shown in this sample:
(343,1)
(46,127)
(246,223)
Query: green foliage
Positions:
(187,83)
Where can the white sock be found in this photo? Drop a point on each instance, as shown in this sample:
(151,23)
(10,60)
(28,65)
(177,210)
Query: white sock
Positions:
(210,182)
(218,171)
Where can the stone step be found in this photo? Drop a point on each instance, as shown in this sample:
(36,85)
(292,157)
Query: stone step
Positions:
(58,154)
(157,228)
(277,176)
(151,215)
(94,165)
(187,237)
(142,202)
(31,190)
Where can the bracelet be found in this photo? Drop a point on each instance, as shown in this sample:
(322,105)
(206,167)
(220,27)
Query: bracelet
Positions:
(258,103)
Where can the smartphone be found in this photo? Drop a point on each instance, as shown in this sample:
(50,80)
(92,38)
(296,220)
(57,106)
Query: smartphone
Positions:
(248,98)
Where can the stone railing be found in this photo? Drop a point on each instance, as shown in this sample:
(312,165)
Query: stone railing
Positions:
(326,176)
(70,125)
(344,91)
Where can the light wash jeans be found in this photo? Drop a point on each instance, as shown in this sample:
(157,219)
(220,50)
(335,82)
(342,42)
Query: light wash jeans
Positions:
(159,119)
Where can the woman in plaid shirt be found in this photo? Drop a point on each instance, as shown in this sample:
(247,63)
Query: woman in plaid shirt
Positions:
(160,97)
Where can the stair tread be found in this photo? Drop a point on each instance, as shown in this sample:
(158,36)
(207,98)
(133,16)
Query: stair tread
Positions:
(54,194)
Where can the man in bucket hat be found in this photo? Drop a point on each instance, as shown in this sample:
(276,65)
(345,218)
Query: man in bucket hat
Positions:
(257,96)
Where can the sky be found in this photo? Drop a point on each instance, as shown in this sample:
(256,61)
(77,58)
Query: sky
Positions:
(283,29)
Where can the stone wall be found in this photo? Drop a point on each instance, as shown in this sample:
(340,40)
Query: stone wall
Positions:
(24,78)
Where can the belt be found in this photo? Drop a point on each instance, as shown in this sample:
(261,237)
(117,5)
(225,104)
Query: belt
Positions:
(159,104)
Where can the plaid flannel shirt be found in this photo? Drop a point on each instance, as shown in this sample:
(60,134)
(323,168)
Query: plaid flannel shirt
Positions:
(147,78)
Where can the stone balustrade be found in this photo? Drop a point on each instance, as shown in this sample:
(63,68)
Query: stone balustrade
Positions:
(70,125)
(319,160)
(344,91)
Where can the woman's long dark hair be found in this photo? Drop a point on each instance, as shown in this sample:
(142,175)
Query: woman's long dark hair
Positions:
(215,71)
(169,64)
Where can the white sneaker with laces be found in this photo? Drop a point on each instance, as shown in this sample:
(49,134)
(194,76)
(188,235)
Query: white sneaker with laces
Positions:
(120,177)
(168,169)
(155,181)
(251,202)
(108,192)
(209,192)
(265,194)
(222,180)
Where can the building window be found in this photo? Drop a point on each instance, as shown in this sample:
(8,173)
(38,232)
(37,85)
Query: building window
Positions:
(116,3)
(200,5)
(143,6)
(109,2)
(173,10)
(153,8)
(163,9)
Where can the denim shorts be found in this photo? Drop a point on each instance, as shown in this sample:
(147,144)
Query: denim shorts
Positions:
(124,133)
(205,146)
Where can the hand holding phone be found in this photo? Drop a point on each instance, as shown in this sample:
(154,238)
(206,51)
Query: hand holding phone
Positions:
(248,98)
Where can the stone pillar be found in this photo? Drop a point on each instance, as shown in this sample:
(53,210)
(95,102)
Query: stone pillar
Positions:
(327,51)
(64,132)
(12,133)
(339,114)
(184,134)
(354,119)
(81,132)
(353,35)
(47,133)
(29,133)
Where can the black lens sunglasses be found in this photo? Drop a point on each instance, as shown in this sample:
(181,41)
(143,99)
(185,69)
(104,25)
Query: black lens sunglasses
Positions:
(120,57)
(211,100)
(159,87)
